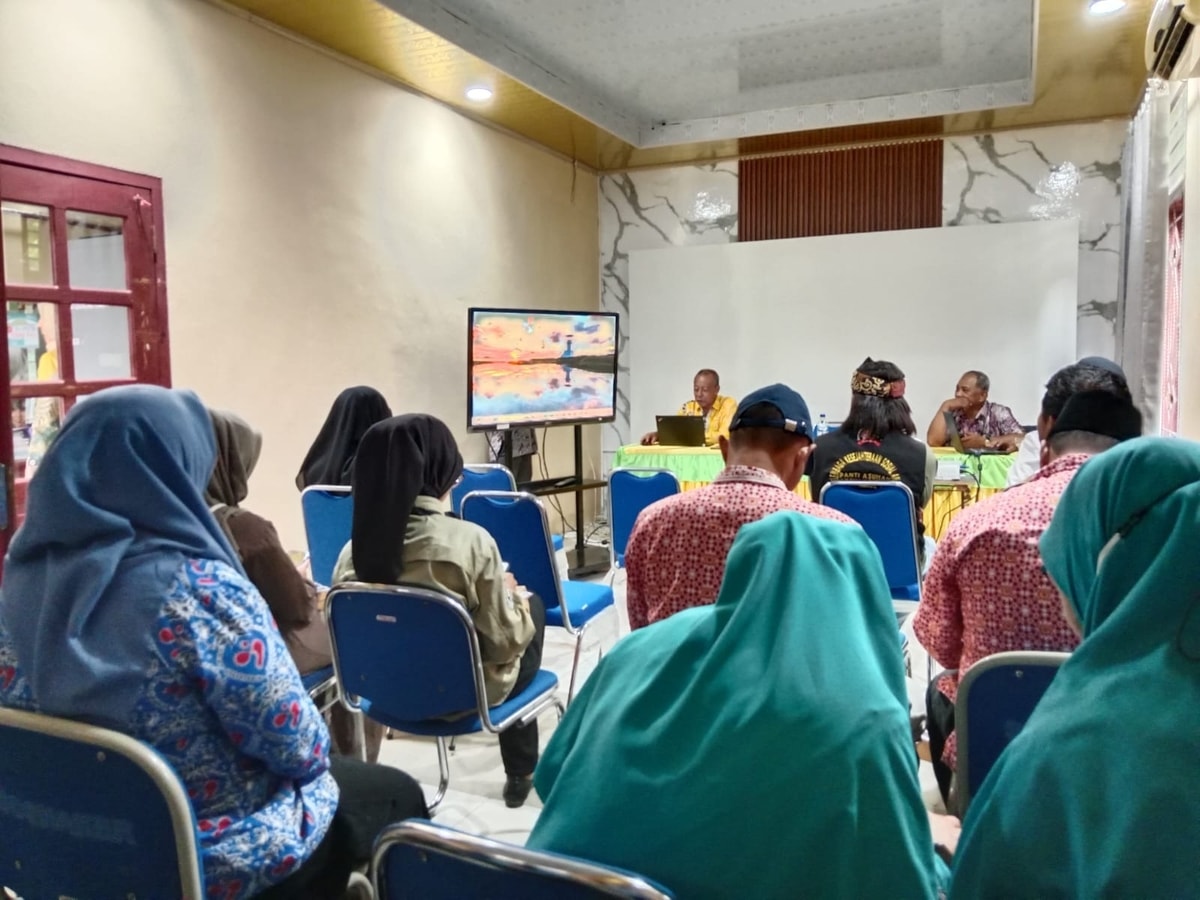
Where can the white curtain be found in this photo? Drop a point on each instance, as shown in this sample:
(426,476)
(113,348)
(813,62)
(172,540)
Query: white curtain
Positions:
(1145,203)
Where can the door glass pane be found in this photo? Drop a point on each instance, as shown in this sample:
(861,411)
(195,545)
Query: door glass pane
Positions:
(96,251)
(101,342)
(27,247)
(32,342)
(35,425)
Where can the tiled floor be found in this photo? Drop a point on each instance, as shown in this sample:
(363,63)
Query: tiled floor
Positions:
(473,802)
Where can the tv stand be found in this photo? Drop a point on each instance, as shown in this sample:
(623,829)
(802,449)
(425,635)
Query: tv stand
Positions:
(582,560)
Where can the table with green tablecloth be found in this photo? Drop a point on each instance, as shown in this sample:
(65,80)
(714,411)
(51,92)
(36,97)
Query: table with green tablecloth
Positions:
(698,466)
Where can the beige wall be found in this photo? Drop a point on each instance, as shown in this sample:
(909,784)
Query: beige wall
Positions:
(323,228)
(1189,335)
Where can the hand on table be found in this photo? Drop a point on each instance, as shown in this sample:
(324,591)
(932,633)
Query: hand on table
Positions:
(650,437)
(974,441)
(1008,445)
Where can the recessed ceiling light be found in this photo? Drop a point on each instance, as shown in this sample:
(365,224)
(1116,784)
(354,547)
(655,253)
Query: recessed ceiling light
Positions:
(1105,7)
(479,94)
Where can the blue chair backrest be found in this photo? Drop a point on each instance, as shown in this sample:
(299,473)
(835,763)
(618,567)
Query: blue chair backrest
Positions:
(328,522)
(407,650)
(432,862)
(631,491)
(490,477)
(517,522)
(996,697)
(886,512)
(88,812)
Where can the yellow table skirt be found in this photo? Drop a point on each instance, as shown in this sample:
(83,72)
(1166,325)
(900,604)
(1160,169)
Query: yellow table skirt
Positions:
(697,466)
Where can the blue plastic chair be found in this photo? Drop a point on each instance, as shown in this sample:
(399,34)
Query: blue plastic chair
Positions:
(487,477)
(518,524)
(417,859)
(88,812)
(887,513)
(482,477)
(328,522)
(995,699)
(630,490)
(321,685)
(409,658)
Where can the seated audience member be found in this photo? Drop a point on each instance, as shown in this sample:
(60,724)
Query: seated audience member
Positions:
(290,596)
(707,401)
(1097,796)
(981,423)
(676,552)
(1065,382)
(875,442)
(986,591)
(124,605)
(330,460)
(406,469)
(759,747)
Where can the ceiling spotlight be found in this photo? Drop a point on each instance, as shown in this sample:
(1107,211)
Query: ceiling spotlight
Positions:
(480,94)
(1105,7)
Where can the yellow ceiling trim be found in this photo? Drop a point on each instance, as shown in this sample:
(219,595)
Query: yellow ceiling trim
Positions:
(1088,69)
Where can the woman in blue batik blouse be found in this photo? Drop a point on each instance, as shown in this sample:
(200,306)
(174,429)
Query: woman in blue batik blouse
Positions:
(125,606)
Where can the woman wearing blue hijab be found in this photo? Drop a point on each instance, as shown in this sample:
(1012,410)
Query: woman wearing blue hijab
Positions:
(759,747)
(124,605)
(1098,794)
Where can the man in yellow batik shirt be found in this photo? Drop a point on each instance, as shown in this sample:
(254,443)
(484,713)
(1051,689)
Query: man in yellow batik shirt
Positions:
(708,402)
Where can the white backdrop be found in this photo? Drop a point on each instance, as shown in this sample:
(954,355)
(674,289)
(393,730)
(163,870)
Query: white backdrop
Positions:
(807,311)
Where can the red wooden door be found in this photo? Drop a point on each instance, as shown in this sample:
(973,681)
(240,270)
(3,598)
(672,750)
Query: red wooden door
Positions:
(84,299)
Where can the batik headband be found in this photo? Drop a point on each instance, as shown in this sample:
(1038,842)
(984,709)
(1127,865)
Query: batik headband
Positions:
(873,386)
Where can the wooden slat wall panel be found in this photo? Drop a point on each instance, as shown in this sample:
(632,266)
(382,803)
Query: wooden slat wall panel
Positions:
(880,188)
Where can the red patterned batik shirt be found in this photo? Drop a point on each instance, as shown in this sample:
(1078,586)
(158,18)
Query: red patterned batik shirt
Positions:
(676,555)
(986,591)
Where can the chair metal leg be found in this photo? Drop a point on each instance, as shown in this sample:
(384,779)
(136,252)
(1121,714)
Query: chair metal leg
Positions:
(443,773)
(360,734)
(575,665)
(452,740)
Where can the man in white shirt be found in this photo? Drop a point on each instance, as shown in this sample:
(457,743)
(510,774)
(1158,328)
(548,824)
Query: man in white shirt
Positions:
(1089,374)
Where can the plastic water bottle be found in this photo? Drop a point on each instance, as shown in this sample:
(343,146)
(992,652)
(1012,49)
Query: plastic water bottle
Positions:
(822,425)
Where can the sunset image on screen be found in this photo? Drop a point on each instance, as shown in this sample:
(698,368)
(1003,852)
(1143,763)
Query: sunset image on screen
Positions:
(541,367)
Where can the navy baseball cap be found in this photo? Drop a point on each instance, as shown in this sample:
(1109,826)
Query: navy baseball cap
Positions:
(793,411)
(1103,362)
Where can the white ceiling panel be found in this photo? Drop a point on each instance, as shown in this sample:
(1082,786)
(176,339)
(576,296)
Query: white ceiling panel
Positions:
(659,72)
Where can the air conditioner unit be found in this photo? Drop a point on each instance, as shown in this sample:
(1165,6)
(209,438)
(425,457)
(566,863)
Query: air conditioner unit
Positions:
(1172,49)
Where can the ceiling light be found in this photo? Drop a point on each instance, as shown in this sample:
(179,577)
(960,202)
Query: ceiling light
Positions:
(1105,7)
(480,94)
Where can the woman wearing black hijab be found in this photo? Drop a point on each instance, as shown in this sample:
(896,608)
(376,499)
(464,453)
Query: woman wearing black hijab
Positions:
(403,475)
(330,460)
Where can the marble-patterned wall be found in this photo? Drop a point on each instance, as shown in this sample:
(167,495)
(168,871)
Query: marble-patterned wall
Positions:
(1070,171)
(645,210)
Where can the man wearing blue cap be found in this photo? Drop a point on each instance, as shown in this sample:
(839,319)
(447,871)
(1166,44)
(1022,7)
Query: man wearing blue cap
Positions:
(1090,373)
(675,558)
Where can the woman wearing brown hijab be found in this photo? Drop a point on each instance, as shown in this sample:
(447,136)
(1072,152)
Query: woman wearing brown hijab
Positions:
(293,599)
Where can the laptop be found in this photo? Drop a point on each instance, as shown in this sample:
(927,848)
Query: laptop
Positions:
(681,431)
(957,444)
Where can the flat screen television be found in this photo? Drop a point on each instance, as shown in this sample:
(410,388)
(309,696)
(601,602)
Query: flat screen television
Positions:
(540,367)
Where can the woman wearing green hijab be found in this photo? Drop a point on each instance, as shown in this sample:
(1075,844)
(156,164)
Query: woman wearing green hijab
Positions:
(1098,796)
(759,747)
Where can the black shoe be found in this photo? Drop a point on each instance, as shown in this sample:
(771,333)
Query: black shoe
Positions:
(516,790)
